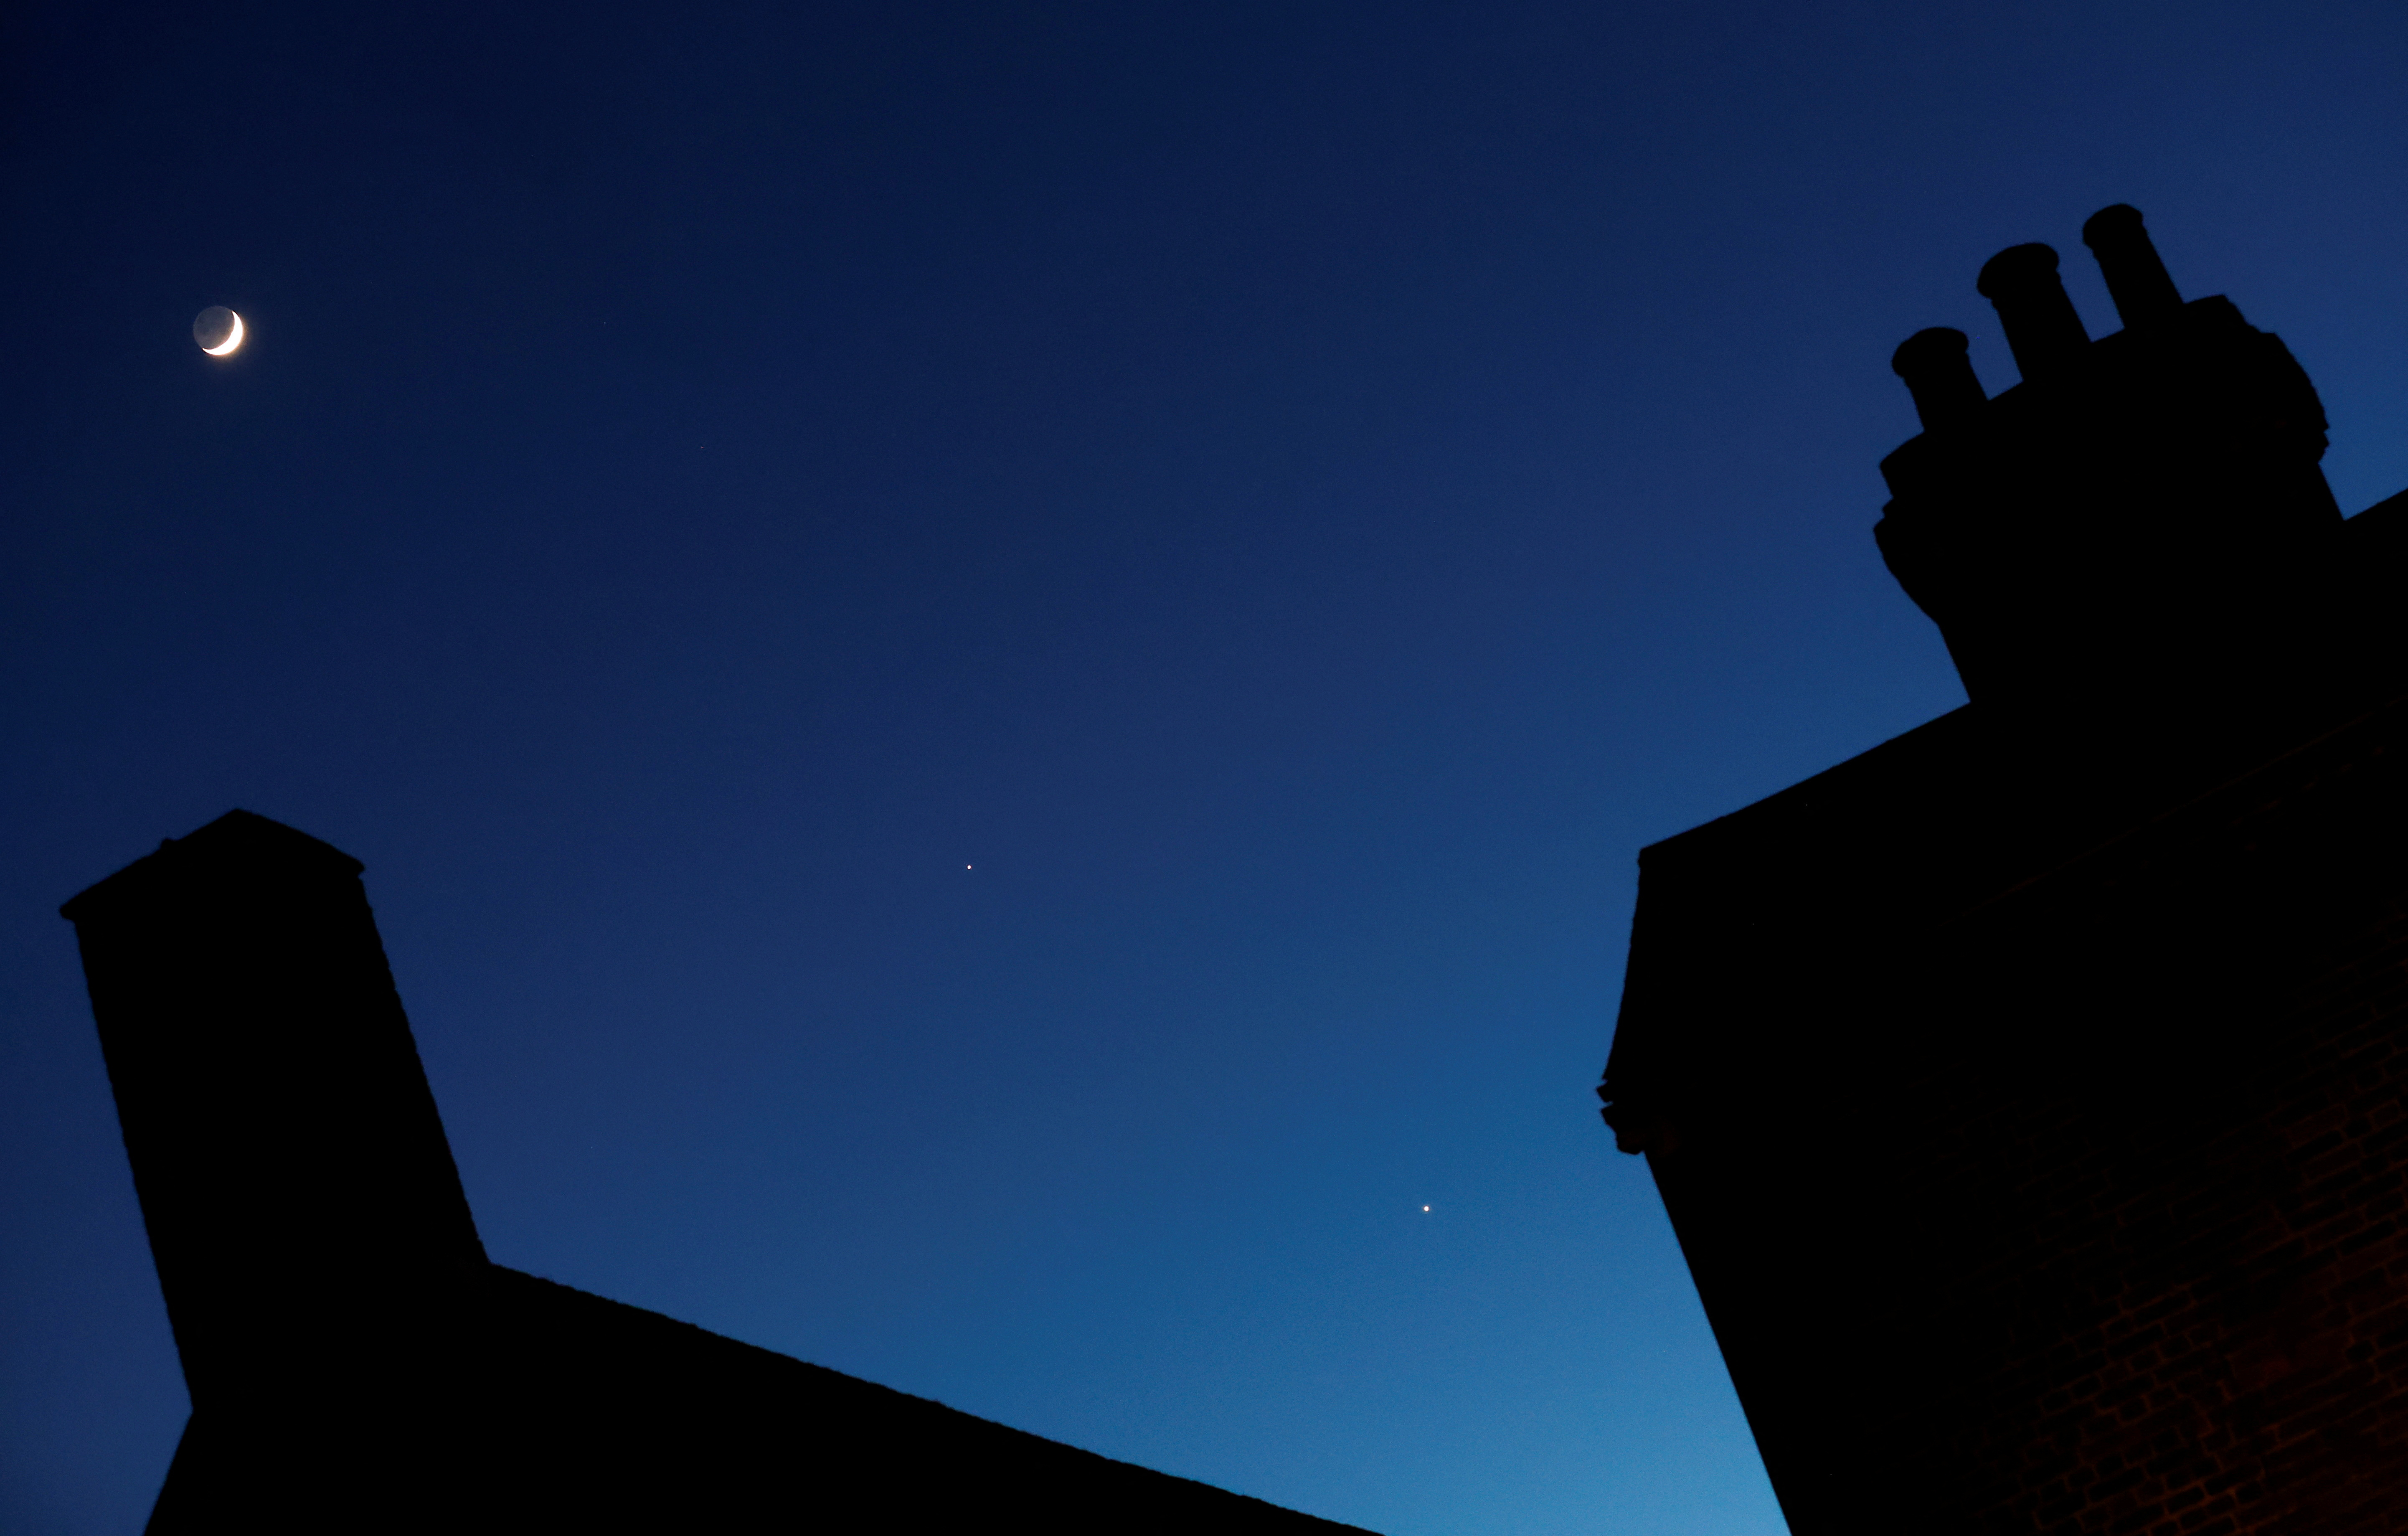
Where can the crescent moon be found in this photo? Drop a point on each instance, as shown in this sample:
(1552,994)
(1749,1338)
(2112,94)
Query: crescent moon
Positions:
(234,338)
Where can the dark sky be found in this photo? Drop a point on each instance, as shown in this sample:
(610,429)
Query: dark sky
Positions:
(1294,496)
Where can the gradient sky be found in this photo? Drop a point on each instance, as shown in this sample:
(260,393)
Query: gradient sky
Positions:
(1294,496)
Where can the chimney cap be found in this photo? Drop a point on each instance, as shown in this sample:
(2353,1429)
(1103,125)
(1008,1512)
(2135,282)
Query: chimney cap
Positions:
(238,840)
(2111,222)
(1921,351)
(2017,267)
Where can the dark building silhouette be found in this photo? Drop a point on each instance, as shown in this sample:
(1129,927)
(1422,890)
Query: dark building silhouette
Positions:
(2028,1092)
(355,1362)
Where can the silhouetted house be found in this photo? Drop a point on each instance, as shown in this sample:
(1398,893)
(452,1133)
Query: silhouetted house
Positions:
(2026,1093)
(355,1362)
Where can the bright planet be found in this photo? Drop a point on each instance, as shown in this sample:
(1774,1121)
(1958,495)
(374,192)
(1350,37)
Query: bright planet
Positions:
(217,329)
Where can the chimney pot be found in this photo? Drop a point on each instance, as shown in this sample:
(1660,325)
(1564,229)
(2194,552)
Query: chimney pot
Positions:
(2127,259)
(1938,375)
(2046,333)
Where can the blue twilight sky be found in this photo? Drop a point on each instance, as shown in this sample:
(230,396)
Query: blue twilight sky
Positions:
(1294,496)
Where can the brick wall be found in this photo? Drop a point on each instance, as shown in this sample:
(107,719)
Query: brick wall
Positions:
(2062,1194)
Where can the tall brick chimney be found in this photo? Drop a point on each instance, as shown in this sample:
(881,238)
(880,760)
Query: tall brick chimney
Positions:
(301,1199)
(2030,1093)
